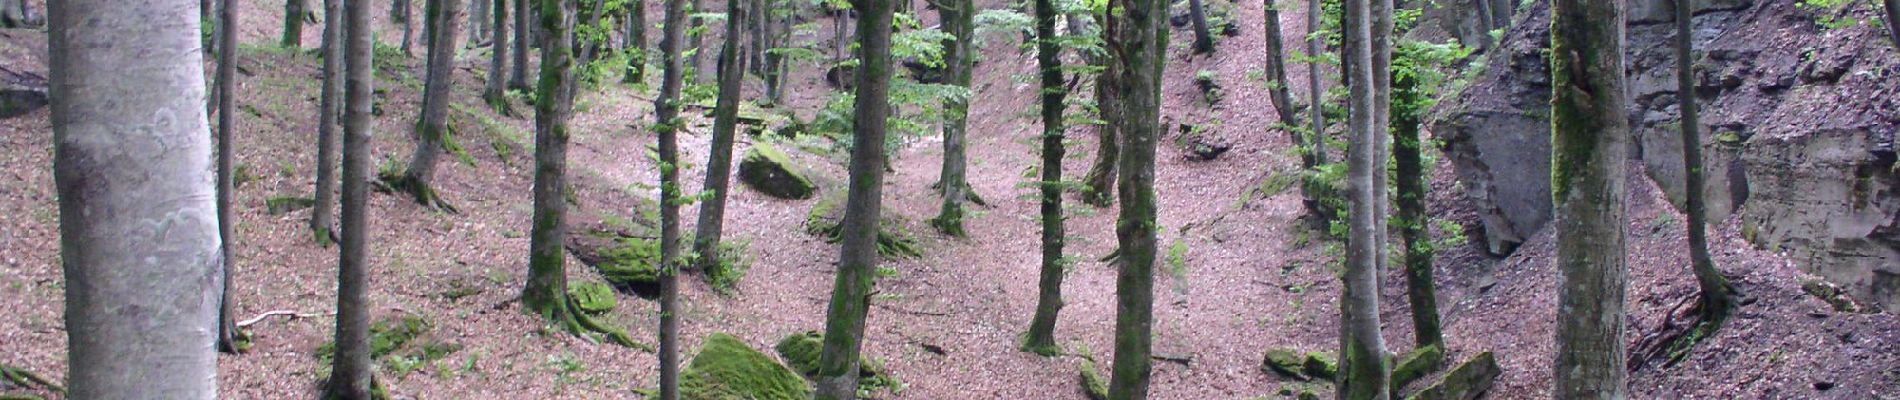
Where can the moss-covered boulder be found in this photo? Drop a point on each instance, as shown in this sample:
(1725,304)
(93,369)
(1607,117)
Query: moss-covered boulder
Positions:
(593,297)
(628,263)
(1415,365)
(801,351)
(1466,382)
(1320,366)
(1285,362)
(769,171)
(728,369)
(827,216)
(1093,385)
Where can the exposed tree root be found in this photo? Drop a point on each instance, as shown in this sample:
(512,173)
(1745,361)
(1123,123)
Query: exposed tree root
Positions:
(376,390)
(20,377)
(287,313)
(422,193)
(570,318)
(1680,330)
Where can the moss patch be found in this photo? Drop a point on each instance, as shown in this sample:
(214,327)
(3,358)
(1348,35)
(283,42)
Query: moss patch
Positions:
(1466,382)
(727,369)
(893,240)
(1285,362)
(592,297)
(769,171)
(402,344)
(1416,365)
(281,205)
(801,351)
(1093,385)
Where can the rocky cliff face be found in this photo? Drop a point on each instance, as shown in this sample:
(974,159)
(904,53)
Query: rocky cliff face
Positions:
(1798,123)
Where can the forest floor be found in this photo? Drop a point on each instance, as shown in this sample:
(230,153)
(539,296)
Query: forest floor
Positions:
(1240,272)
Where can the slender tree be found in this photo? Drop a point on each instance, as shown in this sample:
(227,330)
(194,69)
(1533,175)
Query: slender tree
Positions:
(1589,145)
(1042,339)
(1363,373)
(1283,104)
(851,294)
(350,376)
(636,44)
(129,128)
(959,18)
(1141,44)
(432,128)
(1099,184)
(294,12)
(712,212)
(230,338)
(518,75)
(495,91)
(697,33)
(666,110)
(1410,102)
(407,15)
(1716,295)
(478,17)
(1315,152)
(1381,38)
(329,111)
(1203,38)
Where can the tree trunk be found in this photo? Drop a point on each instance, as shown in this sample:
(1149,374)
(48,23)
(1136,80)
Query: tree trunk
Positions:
(712,213)
(958,19)
(697,33)
(350,376)
(755,28)
(1589,146)
(408,21)
(518,75)
(851,295)
(433,126)
(478,19)
(1893,20)
(636,42)
(1716,295)
(1203,39)
(129,128)
(1142,46)
(666,110)
(1363,373)
(294,11)
(322,223)
(1099,184)
(495,92)
(546,290)
(1283,104)
(229,337)
(774,62)
(1382,25)
(1042,329)
(1315,45)
(1414,223)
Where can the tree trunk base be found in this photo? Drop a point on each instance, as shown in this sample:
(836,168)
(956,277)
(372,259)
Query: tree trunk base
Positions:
(1680,331)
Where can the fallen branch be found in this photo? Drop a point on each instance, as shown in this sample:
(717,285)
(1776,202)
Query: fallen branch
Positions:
(291,314)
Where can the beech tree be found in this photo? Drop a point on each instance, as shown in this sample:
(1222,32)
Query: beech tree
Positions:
(1716,294)
(666,113)
(329,111)
(1363,372)
(1203,38)
(636,43)
(1893,19)
(432,128)
(518,75)
(230,338)
(295,11)
(837,377)
(1589,144)
(712,211)
(1041,338)
(495,91)
(350,374)
(129,128)
(1410,102)
(959,19)
(1311,152)
(1141,44)
(1099,185)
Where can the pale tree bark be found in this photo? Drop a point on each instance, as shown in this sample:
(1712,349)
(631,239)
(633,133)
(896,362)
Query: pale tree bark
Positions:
(1140,49)
(1363,373)
(350,376)
(851,293)
(329,110)
(1041,338)
(1281,94)
(432,129)
(518,75)
(1203,39)
(697,32)
(1381,119)
(138,227)
(407,17)
(666,110)
(495,91)
(712,212)
(478,20)
(294,12)
(230,338)
(1317,147)
(1589,145)
(958,18)
(1716,296)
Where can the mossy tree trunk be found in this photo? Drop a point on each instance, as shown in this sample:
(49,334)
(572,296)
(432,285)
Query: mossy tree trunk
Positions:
(350,376)
(636,43)
(229,337)
(524,37)
(1283,104)
(294,11)
(1141,44)
(1315,45)
(432,130)
(495,91)
(1414,223)
(778,33)
(851,293)
(1099,184)
(1042,328)
(128,128)
(1203,37)
(666,110)
(1363,373)
(696,32)
(1589,145)
(958,18)
(330,111)
(712,213)
(1716,297)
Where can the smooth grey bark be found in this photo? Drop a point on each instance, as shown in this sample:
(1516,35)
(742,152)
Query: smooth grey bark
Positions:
(229,336)
(138,226)
(495,91)
(697,33)
(1716,297)
(350,376)
(1589,146)
(330,111)
(518,75)
(1363,373)
(958,17)
(478,20)
(1143,45)
(432,128)
(1099,184)
(1382,25)
(712,212)
(1203,39)
(851,293)
(1041,338)
(666,113)
(408,20)
(1315,45)
(294,12)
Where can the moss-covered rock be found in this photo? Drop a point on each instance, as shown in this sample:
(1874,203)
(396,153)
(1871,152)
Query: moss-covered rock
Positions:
(728,369)
(1285,362)
(1093,386)
(593,297)
(1320,366)
(801,351)
(769,171)
(1415,365)
(893,240)
(1466,382)
(628,263)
